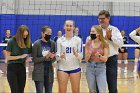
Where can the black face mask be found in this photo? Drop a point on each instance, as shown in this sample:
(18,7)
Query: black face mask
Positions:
(47,37)
(93,36)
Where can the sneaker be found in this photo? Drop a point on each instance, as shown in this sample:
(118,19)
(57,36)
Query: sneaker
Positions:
(125,70)
(135,71)
(119,70)
(1,72)
(27,69)
(125,75)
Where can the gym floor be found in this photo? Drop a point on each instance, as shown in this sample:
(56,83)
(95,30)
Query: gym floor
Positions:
(127,82)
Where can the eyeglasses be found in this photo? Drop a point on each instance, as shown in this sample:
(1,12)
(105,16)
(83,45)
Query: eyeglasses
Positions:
(101,18)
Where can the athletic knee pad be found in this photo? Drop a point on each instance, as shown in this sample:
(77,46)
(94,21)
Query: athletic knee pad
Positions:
(125,62)
(119,61)
(136,60)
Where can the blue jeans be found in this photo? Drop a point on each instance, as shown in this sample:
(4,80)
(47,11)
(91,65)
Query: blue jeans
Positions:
(96,72)
(40,84)
(46,83)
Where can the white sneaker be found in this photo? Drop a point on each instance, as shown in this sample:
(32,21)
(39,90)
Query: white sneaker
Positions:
(135,71)
(27,69)
(119,70)
(125,75)
(125,70)
(1,72)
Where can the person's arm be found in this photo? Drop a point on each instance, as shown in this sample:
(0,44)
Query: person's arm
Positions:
(9,50)
(116,37)
(53,46)
(9,57)
(35,52)
(134,37)
(105,56)
(58,49)
(87,51)
(87,39)
(79,51)
(53,51)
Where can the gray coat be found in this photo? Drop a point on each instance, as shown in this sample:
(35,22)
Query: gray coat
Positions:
(38,59)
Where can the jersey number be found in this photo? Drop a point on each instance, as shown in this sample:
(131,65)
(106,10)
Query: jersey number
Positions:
(68,49)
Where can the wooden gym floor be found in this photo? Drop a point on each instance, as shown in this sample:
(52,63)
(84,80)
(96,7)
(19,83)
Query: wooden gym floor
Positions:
(127,82)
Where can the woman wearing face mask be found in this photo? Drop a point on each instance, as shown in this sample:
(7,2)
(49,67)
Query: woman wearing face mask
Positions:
(18,49)
(43,56)
(96,54)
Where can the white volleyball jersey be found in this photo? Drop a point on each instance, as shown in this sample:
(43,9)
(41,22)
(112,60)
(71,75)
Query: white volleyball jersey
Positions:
(65,46)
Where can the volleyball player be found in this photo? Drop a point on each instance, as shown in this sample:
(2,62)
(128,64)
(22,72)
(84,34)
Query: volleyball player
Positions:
(136,37)
(5,40)
(123,53)
(59,34)
(69,54)
(76,32)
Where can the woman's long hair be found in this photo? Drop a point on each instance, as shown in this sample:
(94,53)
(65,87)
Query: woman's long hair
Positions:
(101,37)
(23,43)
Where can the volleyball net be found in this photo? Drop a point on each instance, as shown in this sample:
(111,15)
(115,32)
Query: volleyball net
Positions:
(37,13)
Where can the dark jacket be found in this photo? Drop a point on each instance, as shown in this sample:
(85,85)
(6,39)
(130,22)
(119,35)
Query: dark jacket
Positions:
(38,60)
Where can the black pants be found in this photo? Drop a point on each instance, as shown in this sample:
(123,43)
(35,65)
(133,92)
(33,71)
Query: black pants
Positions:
(16,75)
(111,74)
